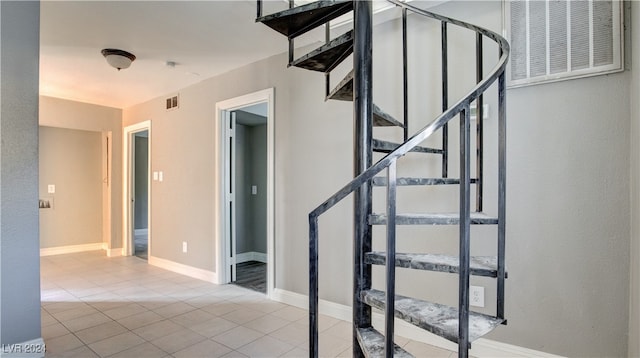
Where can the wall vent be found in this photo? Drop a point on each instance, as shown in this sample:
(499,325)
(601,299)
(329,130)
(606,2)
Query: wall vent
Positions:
(172,102)
(553,40)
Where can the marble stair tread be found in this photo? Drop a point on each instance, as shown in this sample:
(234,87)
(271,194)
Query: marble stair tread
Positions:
(479,265)
(300,19)
(383,146)
(406,181)
(372,344)
(433,219)
(328,56)
(436,318)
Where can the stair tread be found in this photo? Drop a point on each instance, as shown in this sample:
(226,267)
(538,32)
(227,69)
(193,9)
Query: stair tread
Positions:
(436,318)
(372,344)
(344,92)
(479,265)
(300,19)
(384,146)
(406,181)
(433,219)
(328,56)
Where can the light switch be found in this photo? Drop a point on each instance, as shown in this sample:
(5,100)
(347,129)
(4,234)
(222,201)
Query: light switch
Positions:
(160,176)
(51,189)
(254,189)
(155,176)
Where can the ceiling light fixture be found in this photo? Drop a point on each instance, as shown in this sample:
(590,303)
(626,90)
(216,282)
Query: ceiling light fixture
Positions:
(118,58)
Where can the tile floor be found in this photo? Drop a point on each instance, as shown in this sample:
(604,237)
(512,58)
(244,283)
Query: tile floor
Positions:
(94,306)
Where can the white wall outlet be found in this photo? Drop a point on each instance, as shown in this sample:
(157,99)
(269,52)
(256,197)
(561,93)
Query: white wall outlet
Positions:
(160,176)
(184,246)
(155,176)
(51,189)
(254,189)
(476,296)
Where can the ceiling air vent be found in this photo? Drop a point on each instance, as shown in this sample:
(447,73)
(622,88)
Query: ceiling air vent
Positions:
(172,102)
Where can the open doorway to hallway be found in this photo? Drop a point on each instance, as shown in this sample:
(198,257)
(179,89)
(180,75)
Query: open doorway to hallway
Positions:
(141,194)
(137,190)
(249,176)
(245,241)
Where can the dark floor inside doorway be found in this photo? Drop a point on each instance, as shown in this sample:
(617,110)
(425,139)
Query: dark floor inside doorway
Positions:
(141,244)
(252,275)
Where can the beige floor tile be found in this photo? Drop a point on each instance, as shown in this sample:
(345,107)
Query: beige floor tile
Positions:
(294,334)
(178,341)
(221,308)
(144,350)
(80,352)
(420,349)
(204,349)
(157,330)
(267,323)
(213,327)
(290,313)
(140,320)
(100,332)
(243,315)
(54,330)
(265,347)
(116,344)
(331,346)
(234,354)
(70,314)
(86,321)
(62,344)
(125,311)
(296,353)
(237,337)
(174,309)
(192,318)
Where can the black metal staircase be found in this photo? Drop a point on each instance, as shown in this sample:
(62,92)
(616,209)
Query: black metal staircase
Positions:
(457,324)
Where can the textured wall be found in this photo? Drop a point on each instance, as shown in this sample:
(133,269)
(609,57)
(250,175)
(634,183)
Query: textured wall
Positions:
(19,247)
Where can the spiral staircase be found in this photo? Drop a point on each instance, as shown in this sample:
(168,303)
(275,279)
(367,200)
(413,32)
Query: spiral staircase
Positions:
(458,324)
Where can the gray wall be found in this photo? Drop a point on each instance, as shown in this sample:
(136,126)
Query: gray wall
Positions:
(568,193)
(251,169)
(141,182)
(634,298)
(72,161)
(19,247)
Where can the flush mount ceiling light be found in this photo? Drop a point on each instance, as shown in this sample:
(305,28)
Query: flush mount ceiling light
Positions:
(118,58)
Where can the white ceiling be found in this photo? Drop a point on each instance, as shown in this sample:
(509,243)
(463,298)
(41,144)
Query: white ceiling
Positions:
(204,38)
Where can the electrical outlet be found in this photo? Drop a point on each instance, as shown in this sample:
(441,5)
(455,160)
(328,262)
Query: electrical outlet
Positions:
(184,246)
(476,296)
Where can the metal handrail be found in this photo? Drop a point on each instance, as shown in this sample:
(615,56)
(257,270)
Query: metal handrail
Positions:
(462,107)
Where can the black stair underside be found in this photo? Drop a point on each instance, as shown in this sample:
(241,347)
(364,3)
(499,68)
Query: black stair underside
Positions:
(344,92)
(300,19)
(479,265)
(436,318)
(383,146)
(328,56)
(372,344)
(432,219)
(382,181)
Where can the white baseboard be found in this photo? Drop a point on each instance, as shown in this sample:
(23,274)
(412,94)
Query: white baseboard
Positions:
(113,252)
(61,250)
(31,349)
(141,232)
(480,348)
(182,269)
(251,256)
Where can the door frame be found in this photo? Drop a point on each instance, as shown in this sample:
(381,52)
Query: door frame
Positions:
(221,247)
(127,187)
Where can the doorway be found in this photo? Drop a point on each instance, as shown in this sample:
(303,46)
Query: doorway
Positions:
(137,190)
(245,242)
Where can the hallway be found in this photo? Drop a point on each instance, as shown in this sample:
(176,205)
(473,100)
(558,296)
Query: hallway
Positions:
(94,306)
